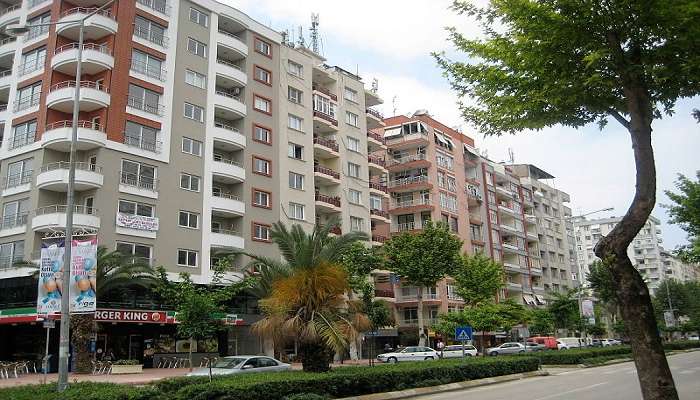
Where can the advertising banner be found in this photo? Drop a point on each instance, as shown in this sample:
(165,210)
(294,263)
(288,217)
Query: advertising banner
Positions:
(587,308)
(83,276)
(139,222)
(51,279)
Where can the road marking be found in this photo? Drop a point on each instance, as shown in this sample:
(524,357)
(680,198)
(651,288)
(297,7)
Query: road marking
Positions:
(551,396)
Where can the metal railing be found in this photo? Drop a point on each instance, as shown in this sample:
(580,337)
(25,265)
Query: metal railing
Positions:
(379,239)
(229,232)
(150,35)
(102,48)
(408,181)
(139,181)
(231,35)
(376,137)
(8,262)
(411,203)
(148,70)
(225,195)
(13,220)
(324,91)
(27,102)
(81,166)
(83,84)
(229,63)
(5,73)
(140,104)
(378,186)
(326,117)
(22,140)
(226,93)
(407,159)
(334,200)
(13,180)
(35,32)
(223,125)
(405,226)
(162,8)
(379,213)
(329,143)
(228,161)
(375,113)
(7,40)
(69,124)
(383,293)
(3,107)
(148,145)
(87,10)
(62,209)
(376,160)
(326,171)
(10,9)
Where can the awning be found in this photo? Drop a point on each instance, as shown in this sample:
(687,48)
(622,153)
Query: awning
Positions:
(449,141)
(440,138)
(529,300)
(471,150)
(540,299)
(392,132)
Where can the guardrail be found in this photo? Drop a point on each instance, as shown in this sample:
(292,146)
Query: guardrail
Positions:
(83,84)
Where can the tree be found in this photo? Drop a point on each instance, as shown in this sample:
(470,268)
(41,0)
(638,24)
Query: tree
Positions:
(575,62)
(422,259)
(303,297)
(477,279)
(685,211)
(685,301)
(359,261)
(541,322)
(564,309)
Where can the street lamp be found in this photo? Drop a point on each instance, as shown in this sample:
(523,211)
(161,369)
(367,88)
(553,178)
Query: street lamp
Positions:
(64,341)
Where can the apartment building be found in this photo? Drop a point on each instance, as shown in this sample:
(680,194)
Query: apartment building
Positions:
(676,269)
(199,128)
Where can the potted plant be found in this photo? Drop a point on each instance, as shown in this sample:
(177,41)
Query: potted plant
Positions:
(127,367)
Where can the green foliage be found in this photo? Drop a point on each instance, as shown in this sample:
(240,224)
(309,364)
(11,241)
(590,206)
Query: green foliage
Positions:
(602,282)
(477,278)
(603,359)
(378,312)
(596,330)
(359,260)
(306,396)
(487,317)
(685,298)
(564,309)
(685,211)
(620,328)
(578,356)
(541,322)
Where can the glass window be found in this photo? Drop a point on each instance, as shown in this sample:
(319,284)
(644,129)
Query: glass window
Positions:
(138,174)
(263,47)
(353,144)
(196,47)
(295,95)
(350,94)
(196,79)
(188,219)
(296,151)
(262,134)
(295,69)
(198,17)
(355,196)
(146,29)
(36,31)
(262,104)
(135,249)
(134,208)
(23,134)
(295,123)
(187,258)
(189,182)
(194,112)
(141,136)
(262,75)
(261,232)
(375,202)
(324,105)
(147,64)
(27,96)
(261,198)
(32,61)
(353,170)
(357,224)
(261,166)
(191,146)
(296,181)
(352,119)
(144,99)
(296,211)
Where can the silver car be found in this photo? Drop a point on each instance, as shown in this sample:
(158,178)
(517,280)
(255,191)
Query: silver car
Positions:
(455,351)
(506,348)
(242,365)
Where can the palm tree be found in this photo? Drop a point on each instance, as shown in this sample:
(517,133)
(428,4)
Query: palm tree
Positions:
(303,296)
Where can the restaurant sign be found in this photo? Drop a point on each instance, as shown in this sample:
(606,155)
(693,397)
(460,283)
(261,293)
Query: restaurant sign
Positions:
(151,317)
(139,222)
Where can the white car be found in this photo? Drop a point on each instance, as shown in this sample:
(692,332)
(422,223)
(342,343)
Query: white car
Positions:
(693,337)
(242,365)
(568,343)
(410,353)
(506,348)
(455,351)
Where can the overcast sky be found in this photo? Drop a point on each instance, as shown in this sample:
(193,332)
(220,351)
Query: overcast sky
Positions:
(391,40)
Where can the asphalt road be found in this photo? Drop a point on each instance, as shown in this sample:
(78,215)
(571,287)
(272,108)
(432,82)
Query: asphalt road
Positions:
(617,382)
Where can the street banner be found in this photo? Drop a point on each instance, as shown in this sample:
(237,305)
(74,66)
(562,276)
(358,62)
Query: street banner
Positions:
(83,276)
(137,222)
(669,319)
(587,308)
(50,279)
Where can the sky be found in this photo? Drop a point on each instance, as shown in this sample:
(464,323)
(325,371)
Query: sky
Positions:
(391,40)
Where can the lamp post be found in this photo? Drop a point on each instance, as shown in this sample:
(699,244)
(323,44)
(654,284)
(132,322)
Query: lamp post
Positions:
(64,341)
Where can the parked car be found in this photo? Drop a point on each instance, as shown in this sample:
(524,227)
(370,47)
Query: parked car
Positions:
(242,365)
(549,342)
(568,343)
(506,348)
(410,353)
(693,337)
(615,342)
(455,351)
(532,346)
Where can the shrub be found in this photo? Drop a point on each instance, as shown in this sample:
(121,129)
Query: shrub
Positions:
(603,359)
(306,396)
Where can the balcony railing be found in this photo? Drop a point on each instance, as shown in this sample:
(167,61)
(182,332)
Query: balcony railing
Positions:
(228,127)
(139,181)
(326,171)
(333,200)
(69,124)
(81,166)
(228,161)
(405,226)
(14,220)
(148,145)
(383,293)
(62,209)
(160,6)
(326,117)
(407,159)
(378,186)
(411,203)
(376,160)
(225,195)
(324,91)
(226,93)
(140,104)
(379,213)
(104,49)
(376,137)
(148,70)
(408,181)
(26,102)
(329,143)
(229,63)
(231,35)
(379,238)
(7,41)
(83,84)
(10,9)
(375,113)
(229,232)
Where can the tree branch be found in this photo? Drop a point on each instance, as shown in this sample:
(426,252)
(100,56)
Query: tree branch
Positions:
(619,118)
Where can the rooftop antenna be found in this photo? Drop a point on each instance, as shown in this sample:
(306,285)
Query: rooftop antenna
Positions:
(314,32)
(375,85)
(511,156)
(300,41)
(394,102)
(285,35)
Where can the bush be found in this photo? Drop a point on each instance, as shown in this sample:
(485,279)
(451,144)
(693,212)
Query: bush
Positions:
(306,396)
(682,345)
(603,359)
(578,356)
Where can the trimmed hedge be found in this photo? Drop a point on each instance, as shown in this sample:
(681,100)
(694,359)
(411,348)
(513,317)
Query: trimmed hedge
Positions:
(603,359)
(579,356)
(340,382)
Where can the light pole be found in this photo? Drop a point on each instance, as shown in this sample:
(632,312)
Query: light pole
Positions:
(64,341)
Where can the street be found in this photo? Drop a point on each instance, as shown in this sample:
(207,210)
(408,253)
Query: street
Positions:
(618,382)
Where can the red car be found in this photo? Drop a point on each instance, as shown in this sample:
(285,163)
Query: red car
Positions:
(549,342)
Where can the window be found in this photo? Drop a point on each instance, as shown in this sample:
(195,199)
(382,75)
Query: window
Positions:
(353,144)
(11,252)
(198,17)
(352,119)
(295,123)
(147,64)
(196,79)
(441,179)
(296,151)
(324,106)
(296,211)
(36,31)
(189,182)
(263,47)
(375,202)
(295,69)
(32,61)
(295,95)
(23,134)
(141,136)
(261,166)
(353,170)
(262,198)
(296,181)
(451,184)
(350,95)
(14,213)
(493,216)
(489,178)
(357,224)
(261,232)
(149,30)
(191,146)
(262,104)
(355,196)
(138,174)
(144,99)
(188,219)
(134,208)
(28,96)
(187,258)
(410,315)
(139,251)
(262,134)
(260,74)
(196,47)
(194,112)
(444,161)
(475,232)
(454,224)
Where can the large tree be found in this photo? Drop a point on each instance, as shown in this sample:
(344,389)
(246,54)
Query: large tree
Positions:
(477,279)
(573,62)
(564,309)
(685,211)
(422,259)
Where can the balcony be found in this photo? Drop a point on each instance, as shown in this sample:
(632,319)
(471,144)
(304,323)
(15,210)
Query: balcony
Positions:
(149,37)
(229,135)
(372,98)
(138,106)
(149,72)
(322,90)
(409,184)
(93,96)
(227,170)
(57,136)
(326,203)
(514,286)
(8,46)
(378,240)
(412,161)
(232,43)
(54,176)
(408,141)
(14,224)
(326,176)
(226,205)
(96,27)
(51,218)
(375,140)
(406,227)
(96,58)
(232,71)
(374,119)
(511,248)
(228,105)
(140,185)
(152,5)
(474,198)
(379,215)
(325,148)
(226,239)
(10,15)
(413,205)
(384,294)
(377,165)
(6,80)
(324,122)
(379,189)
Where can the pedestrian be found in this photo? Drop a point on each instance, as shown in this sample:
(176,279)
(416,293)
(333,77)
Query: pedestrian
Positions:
(387,348)
(441,347)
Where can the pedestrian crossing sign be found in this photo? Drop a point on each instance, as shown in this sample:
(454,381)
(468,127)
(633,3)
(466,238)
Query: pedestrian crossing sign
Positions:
(463,333)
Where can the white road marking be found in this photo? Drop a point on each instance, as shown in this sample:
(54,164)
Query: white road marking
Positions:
(551,396)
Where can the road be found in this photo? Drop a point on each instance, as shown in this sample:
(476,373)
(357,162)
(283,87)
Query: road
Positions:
(618,382)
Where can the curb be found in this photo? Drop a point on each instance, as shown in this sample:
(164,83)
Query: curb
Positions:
(423,391)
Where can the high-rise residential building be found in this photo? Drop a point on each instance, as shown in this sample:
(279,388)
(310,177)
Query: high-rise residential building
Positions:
(675,268)
(199,128)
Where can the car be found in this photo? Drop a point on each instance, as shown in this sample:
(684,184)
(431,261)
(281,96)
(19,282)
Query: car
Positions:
(455,351)
(506,348)
(549,342)
(532,346)
(233,365)
(693,337)
(615,342)
(568,343)
(410,353)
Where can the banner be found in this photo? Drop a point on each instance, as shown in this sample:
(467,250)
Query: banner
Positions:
(587,308)
(139,222)
(50,279)
(83,276)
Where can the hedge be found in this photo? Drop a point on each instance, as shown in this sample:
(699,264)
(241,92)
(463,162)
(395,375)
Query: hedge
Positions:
(340,382)
(578,356)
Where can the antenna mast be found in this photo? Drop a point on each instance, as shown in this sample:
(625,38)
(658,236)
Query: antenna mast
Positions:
(300,41)
(394,102)
(314,32)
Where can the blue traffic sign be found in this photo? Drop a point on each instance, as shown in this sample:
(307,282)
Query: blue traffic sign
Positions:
(463,333)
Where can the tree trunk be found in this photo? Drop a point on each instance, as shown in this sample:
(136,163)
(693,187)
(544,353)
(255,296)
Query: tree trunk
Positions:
(421,331)
(81,333)
(269,346)
(633,297)
(189,354)
(315,357)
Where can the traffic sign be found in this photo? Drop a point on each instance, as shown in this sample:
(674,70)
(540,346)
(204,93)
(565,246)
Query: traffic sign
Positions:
(463,333)
(372,333)
(49,323)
